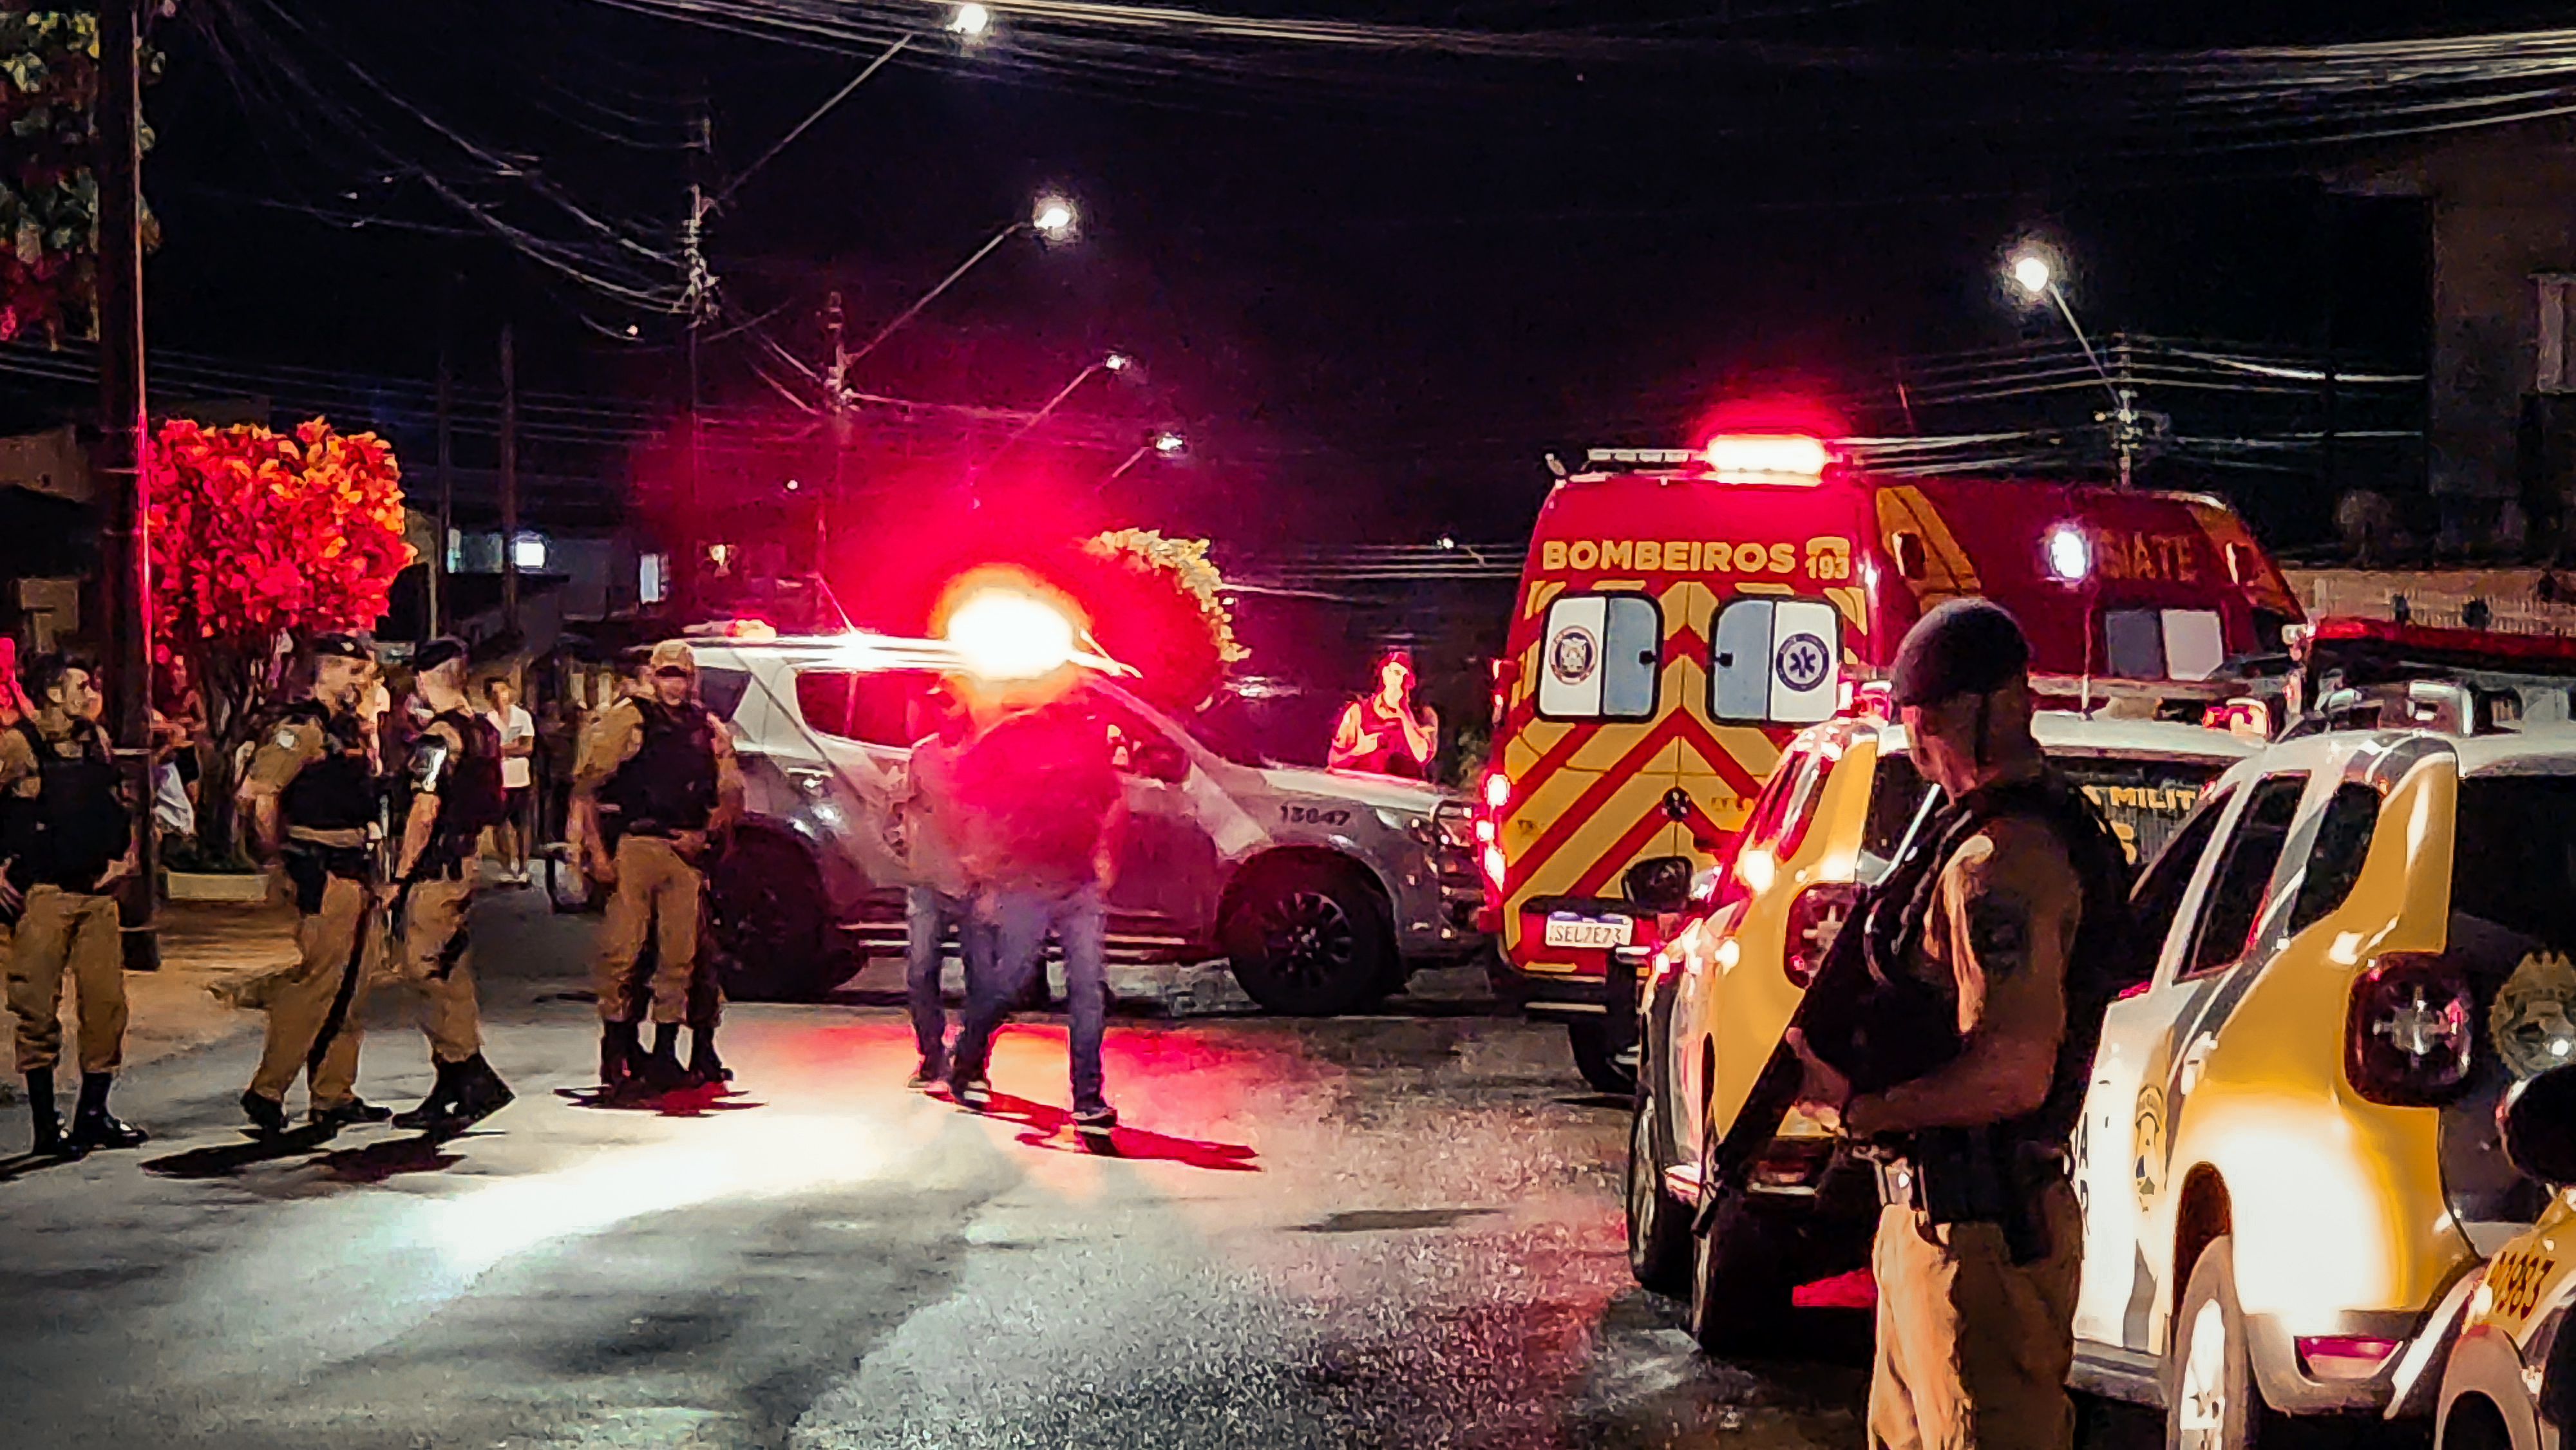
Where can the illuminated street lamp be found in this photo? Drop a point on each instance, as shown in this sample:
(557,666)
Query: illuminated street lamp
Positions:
(2032,273)
(1052,218)
(967,22)
(1161,445)
(1116,362)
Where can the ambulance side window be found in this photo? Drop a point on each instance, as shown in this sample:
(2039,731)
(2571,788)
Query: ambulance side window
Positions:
(1601,658)
(1775,662)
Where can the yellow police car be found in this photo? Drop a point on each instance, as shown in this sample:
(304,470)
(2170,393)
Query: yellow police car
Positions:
(2511,1380)
(1714,1002)
(2288,1160)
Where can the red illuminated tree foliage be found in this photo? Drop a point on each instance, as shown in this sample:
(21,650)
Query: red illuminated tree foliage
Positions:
(1158,604)
(258,541)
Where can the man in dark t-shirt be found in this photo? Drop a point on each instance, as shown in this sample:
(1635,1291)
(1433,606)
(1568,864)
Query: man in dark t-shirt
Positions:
(1042,805)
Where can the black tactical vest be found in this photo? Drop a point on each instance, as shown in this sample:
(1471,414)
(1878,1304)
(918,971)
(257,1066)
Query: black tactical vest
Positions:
(76,825)
(669,784)
(470,795)
(2107,957)
(337,790)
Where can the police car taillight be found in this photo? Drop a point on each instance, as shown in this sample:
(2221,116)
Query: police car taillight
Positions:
(1815,919)
(2410,1032)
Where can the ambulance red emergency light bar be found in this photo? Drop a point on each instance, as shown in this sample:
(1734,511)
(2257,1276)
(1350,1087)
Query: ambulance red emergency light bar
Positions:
(1683,612)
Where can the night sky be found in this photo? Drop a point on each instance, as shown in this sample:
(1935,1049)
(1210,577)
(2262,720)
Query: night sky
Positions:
(1372,294)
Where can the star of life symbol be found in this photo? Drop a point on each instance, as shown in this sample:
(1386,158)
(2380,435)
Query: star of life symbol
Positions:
(1802,662)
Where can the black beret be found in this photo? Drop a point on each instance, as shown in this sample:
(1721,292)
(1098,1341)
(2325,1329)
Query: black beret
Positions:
(437,652)
(341,646)
(1964,647)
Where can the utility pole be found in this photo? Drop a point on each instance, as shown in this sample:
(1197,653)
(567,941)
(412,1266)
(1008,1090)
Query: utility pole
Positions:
(698,300)
(125,564)
(509,486)
(438,602)
(836,429)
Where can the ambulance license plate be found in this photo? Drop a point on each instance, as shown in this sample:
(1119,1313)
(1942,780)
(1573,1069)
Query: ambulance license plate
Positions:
(1590,931)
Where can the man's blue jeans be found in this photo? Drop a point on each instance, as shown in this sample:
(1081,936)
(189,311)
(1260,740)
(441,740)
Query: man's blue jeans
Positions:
(929,915)
(1022,920)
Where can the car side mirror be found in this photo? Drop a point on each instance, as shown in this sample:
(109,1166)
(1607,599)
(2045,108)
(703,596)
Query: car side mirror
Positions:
(1161,760)
(2537,1121)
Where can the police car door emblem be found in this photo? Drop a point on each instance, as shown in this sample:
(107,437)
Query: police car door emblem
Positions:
(1572,657)
(2533,1022)
(1802,662)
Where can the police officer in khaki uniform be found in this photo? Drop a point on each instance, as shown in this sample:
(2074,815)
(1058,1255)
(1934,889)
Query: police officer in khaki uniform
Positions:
(454,784)
(663,767)
(2017,925)
(75,841)
(311,801)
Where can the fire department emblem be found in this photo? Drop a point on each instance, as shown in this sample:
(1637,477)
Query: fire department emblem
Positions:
(1802,662)
(1572,658)
(2533,1022)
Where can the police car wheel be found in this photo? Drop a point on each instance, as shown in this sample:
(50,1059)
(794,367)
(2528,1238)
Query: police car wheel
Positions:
(1609,1066)
(1309,940)
(770,934)
(1659,1236)
(2211,1399)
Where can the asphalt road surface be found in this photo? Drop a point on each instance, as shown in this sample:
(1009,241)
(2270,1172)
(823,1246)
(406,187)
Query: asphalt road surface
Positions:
(1399,1230)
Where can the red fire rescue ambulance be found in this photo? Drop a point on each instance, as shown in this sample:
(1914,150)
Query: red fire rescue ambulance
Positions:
(1682,614)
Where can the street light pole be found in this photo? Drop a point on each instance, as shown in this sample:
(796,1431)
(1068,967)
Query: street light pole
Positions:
(1052,219)
(1167,445)
(1116,362)
(125,565)
(2038,279)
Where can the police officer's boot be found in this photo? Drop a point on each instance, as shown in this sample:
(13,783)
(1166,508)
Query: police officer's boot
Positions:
(93,1126)
(661,1072)
(618,1052)
(434,1109)
(705,1068)
(479,1093)
(48,1141)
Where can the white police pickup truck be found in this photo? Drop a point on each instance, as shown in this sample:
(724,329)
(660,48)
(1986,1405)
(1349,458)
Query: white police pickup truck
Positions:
(1324,889)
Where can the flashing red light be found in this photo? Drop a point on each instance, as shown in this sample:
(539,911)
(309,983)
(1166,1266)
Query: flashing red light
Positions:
(1494,866)
(2345,1356)
(1498,791)
(1005,634)
(1769,457)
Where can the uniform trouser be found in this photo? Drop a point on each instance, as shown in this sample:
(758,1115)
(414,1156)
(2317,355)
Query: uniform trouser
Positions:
(313,1015)
(71,931)
(656,892)
(1021,921)
(437,957)
(929,915)
(1973,1349)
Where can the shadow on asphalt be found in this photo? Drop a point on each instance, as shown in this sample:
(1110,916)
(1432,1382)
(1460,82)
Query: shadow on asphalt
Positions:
(227,1159)
(377,1162)
(13,1169)
(1051,1128)
(700,1102)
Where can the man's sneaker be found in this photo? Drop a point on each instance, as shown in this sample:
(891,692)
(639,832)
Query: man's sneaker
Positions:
(931,1072)
(349,1114)
(971,1092)
(267,1115)
(1095,1120)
